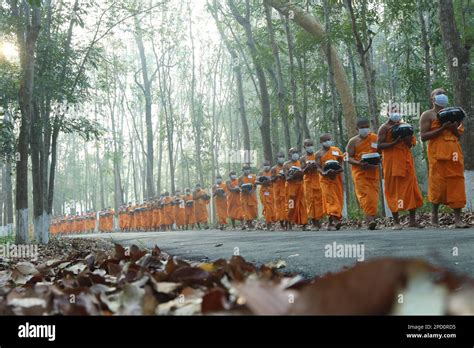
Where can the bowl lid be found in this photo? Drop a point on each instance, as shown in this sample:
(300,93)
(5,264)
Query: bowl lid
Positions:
(371,155)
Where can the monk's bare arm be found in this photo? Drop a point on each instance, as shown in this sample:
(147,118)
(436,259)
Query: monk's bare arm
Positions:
(319,166)
(382,143)
(350,149)
(425,127)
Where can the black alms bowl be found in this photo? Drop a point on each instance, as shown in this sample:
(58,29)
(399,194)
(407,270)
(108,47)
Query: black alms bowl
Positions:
(262,179)
(402,130)
(331,164)
(452,114)
(371,158)
(246,187)
(189,203)
(220,192)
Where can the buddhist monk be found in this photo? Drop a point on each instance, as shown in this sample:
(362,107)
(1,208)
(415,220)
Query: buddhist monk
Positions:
(295,198)
(201,200)
(279,182)
(266,194)
(446,160)
(332,188)
(219,192)
(180,210)
(190,211)
(365,176)
(168,212)
(234,205)
(248,197)
(312,187)
(401,185)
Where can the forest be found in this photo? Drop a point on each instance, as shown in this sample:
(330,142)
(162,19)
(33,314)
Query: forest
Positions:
(106,102)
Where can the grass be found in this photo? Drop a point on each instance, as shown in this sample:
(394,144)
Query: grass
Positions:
(7,239)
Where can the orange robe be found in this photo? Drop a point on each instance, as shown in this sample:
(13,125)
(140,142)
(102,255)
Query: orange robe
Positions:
(268,200)
(180,212)
(123,220)
(249,200)
(401,185)
(190,210)
(168,211)
(312,192)
(366,182)
(234,205)
(200,210)
(221,203)
(296,201)
(279,191)
(156,217)
(332,189)
(446,169)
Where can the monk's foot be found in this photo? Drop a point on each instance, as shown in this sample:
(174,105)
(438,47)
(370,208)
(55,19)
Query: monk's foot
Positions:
(416,225)
(338,225)
(331,227)
(244,227)
(372,225)
(305,228)
(460,224)
(397,227)
(315,228)
(434,221)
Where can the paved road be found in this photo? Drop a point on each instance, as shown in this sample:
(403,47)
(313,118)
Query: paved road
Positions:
(305,252)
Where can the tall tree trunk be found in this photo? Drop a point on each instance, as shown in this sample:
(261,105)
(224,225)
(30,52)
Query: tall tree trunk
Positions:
(365,62)
(282,97)
(459,69)
(146,89)
(314,27)
(27,31)
(195,116)
(262,81)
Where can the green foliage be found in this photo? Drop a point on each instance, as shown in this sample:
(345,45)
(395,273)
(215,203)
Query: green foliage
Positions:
(85,128)
(7,140)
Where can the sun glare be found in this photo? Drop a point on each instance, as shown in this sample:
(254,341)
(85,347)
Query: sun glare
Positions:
(9,51)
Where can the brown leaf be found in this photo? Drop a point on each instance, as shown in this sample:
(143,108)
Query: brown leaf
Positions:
(214,301)
(368,288)
(189,275)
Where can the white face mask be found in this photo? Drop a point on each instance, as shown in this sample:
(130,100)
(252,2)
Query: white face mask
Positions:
(395,117)
(309,149)
(219,181)
(281,160)
(441,100)
(328,143)
(266,168)
(295,156)
(233,177)
(364,132)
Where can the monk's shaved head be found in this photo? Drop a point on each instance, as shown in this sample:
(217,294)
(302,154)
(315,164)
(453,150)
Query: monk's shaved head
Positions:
(293,150)
(232,172)
(363,123)
(308,142)
(325,137)
(437,91)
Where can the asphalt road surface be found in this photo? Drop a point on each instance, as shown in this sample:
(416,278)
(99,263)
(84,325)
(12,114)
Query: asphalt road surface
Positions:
(307,253)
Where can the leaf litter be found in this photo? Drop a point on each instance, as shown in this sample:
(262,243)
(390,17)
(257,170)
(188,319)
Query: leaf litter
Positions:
(94,277)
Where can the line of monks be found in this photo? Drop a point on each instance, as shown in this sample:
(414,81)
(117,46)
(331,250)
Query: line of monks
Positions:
(302,190)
